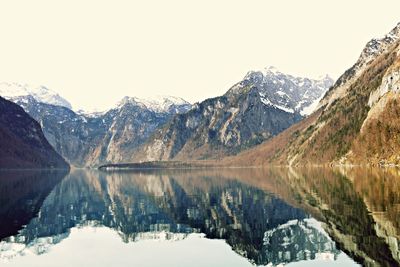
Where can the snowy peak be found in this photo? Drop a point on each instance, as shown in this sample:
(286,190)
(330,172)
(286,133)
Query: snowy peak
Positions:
(158,104)
(372,50)
(316,243)
(40,93)
(91,113)
(286,92)
(270,70)
(375,47)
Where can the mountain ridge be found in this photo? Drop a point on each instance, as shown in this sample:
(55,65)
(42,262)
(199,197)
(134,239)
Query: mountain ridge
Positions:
(308,90)
(90,140)
(40,93)
(253,110)
(356,121)
(261,107)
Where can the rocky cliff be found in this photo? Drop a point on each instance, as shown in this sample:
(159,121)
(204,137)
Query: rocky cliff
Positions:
(356,122)
(22,143)
(257,108)
(90,139)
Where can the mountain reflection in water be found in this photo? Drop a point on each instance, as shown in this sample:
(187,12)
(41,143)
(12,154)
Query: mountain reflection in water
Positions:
(268,216)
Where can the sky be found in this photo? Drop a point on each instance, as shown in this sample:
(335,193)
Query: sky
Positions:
(95,52)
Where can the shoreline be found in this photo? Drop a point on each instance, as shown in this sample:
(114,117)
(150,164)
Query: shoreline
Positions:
(185,165)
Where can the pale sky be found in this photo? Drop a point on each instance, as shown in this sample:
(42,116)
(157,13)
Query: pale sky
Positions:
(95,52)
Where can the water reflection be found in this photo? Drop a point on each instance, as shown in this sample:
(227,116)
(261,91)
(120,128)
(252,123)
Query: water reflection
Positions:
(268,216)
(21,196)
(360,208)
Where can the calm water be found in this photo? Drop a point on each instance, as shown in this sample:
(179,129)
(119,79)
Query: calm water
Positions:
(226,217)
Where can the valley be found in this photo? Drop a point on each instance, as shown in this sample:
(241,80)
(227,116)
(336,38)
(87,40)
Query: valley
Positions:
(167,128)
(267,118)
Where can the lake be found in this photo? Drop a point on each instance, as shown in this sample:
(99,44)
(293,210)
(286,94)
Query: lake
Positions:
(201,217)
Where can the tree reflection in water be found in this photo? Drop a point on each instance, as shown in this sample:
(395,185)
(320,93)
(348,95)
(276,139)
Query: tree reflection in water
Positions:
(271,215)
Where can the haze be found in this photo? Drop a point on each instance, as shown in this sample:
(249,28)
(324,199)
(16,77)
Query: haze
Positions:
(95,52)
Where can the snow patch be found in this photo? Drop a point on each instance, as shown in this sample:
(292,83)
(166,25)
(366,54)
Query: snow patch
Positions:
(160,104)
(312,107)
(39,93)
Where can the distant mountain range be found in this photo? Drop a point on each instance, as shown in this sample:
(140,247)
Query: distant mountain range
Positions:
(90,139)
(298,120)
(357,121)
(260,106)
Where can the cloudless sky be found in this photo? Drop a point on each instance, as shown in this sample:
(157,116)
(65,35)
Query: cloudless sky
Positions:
(95,52)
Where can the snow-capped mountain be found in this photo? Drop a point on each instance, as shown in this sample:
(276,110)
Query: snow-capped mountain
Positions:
(284,91)
(377,46)
(103,137)
(260,106)
(281,244)
(372,50)
(358,122)
(160,104)
(40,93)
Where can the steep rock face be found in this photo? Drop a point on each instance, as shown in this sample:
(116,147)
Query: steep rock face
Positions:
(253,110)
(337,134)
(284,91)
(91,139)
(22,143)
(72,135)
(357,121)
(131,124)
(262,105)
(371,52)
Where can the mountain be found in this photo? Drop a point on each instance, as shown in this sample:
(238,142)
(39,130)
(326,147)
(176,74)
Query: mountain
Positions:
(40,93)
(89,139)
(260,106)
(22,142)
(286,92)
(357,121)
(159,104)
(131,123)
(263,104)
